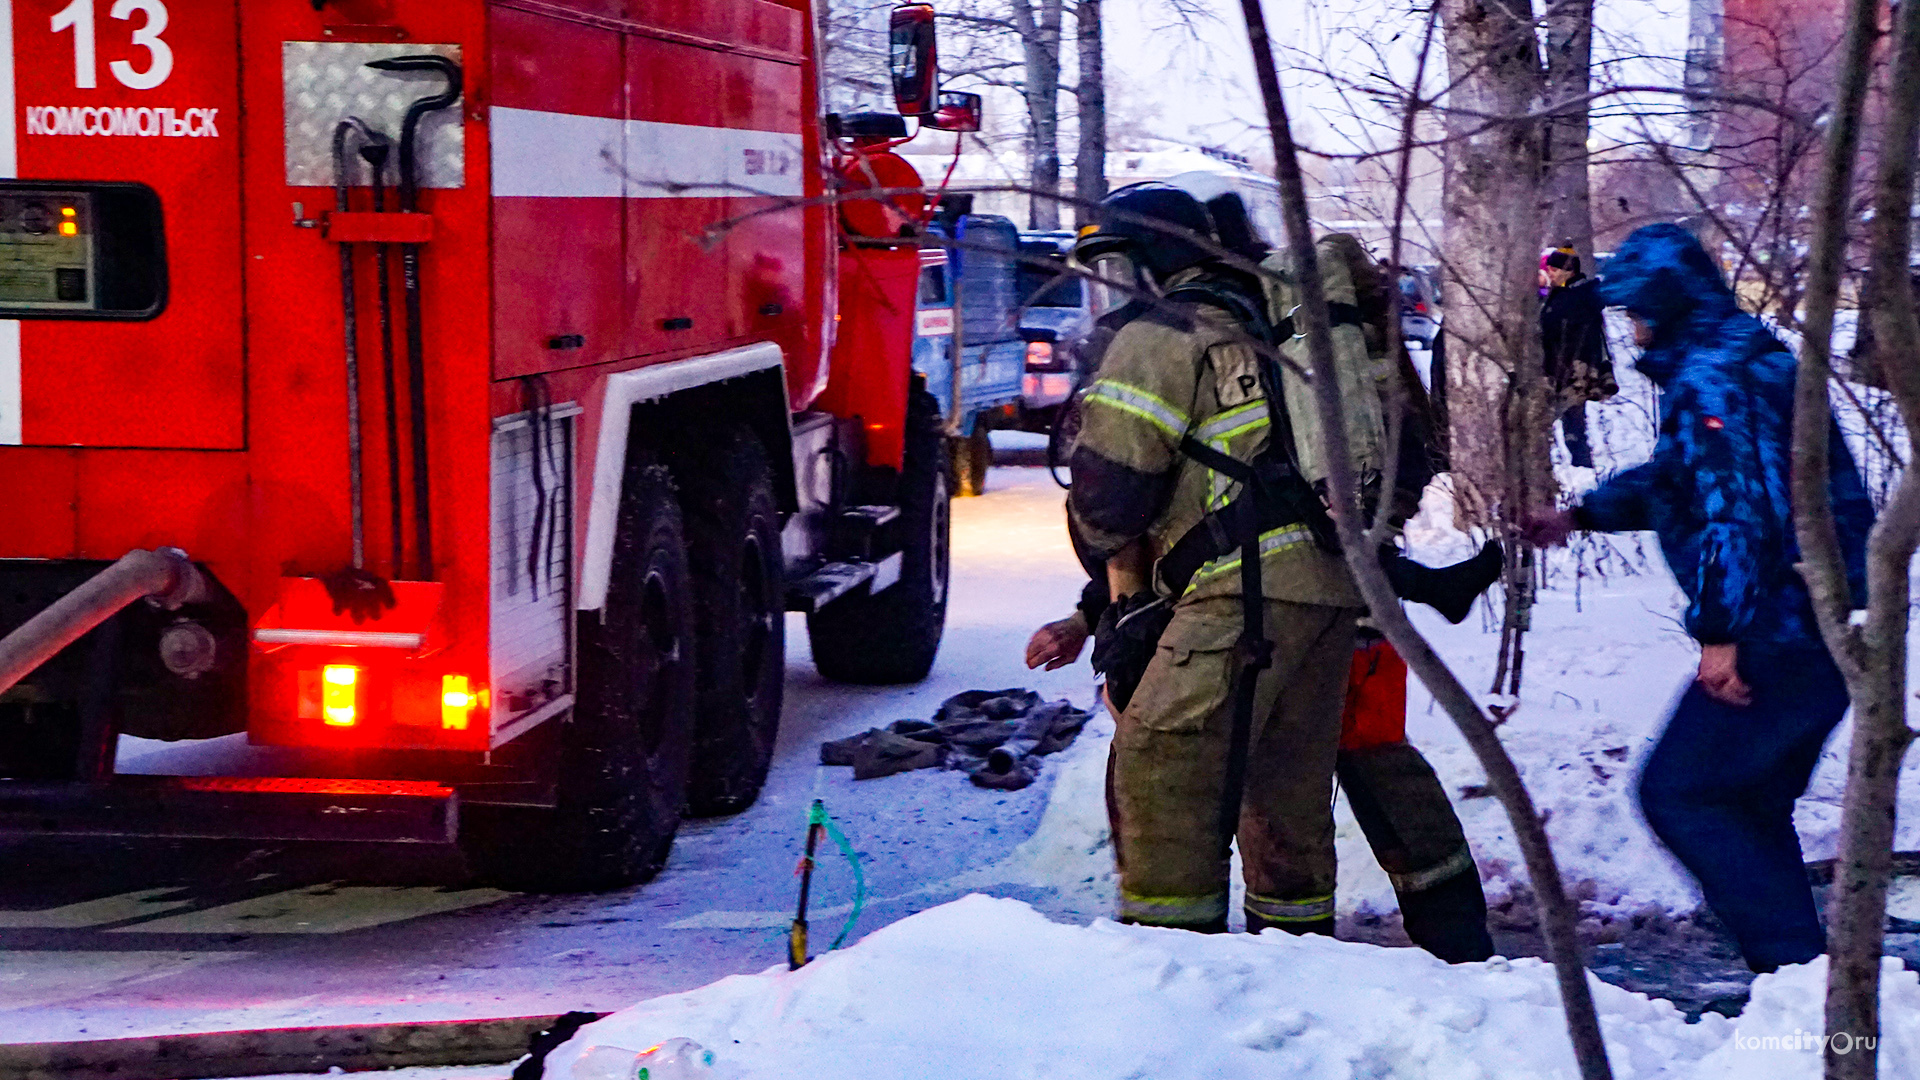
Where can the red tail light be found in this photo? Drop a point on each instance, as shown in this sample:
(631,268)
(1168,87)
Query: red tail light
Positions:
(339,705)
(457,702)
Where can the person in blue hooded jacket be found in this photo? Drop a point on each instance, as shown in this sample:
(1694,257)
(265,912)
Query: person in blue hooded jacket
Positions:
(1741,744)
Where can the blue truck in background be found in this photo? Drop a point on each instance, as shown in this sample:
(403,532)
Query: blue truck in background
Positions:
(973,287)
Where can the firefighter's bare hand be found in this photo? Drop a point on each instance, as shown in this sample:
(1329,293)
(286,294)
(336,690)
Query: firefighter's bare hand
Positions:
(1550,530)
(1058,643)
(1720,675)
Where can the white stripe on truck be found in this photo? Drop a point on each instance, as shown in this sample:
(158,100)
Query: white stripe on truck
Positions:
(550,155)
(622,391)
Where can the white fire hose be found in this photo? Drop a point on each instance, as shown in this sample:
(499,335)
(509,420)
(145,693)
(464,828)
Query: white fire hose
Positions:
(166,576)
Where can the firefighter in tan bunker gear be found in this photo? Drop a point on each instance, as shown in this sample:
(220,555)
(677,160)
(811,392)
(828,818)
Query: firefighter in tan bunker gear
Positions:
(1184,373)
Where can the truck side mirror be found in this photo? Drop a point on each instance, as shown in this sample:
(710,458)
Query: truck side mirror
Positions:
(957,112)
(914,59)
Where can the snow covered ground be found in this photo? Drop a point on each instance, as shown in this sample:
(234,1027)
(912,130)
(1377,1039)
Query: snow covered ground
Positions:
(112,939)
(1605,660)
(986,986)
(989,987)
(980,982)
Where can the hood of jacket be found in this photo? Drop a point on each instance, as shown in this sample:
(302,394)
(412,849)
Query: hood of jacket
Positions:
(1664,277)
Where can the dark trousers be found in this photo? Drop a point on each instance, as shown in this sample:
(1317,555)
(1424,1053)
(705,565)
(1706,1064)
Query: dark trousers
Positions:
(1573,427)
(1719,790)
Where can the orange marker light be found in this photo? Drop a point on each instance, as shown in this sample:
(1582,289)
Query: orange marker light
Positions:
(457,700)
(68,228)
(337,693)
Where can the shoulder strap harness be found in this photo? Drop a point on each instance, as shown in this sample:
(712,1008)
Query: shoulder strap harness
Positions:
(1273,494)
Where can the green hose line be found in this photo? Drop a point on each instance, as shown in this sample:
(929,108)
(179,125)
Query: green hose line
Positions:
(817,815)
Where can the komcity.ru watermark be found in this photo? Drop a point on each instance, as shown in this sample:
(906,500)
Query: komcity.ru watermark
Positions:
(1806,1041)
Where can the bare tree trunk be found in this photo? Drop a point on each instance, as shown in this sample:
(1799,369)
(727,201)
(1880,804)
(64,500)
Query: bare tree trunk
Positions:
(1873,654)
(1557,911)
(1090,163)
(1497,396)
(1569,71)
(1039,29)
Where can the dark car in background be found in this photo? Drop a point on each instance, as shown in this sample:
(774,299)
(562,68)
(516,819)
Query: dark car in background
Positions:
(1056,319)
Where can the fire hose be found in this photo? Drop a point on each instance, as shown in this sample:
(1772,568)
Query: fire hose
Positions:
(165,576)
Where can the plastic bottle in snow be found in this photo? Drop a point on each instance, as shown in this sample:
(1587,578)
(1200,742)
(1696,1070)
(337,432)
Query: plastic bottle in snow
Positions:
(675,1059)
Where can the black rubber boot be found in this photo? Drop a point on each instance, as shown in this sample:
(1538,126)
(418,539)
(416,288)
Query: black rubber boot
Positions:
(1449,919)
(1450,590)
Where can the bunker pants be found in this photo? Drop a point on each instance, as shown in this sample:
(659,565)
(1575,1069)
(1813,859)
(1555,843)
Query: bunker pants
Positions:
(1167,771)
(1406,815)
(1404,811)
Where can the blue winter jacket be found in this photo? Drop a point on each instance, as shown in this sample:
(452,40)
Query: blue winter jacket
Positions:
(1716,489)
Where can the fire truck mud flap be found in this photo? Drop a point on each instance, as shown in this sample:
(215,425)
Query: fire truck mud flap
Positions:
(234,808)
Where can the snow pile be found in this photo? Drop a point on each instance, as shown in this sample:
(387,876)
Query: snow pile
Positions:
(1776,1036)
(989,987)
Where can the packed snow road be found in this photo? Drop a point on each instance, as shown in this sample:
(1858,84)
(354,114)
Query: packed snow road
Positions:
(100,940)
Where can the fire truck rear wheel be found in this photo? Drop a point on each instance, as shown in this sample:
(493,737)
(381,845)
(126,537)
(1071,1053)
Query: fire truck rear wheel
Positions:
(625,751)
(739,603)
(893,636)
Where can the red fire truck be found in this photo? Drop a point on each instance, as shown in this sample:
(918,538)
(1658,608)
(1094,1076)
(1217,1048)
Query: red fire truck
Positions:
(470,386)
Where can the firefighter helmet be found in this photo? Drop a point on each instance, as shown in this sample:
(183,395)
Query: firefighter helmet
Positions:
(1158,227)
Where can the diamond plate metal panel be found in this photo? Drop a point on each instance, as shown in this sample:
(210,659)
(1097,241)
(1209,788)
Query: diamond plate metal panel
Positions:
(327,81)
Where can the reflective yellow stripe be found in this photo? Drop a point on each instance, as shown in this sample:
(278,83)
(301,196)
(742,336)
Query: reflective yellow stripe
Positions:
(1172,910)
(1219,432)
(1137,402)
(1213,428)
(1284,538)
(1306,909)
(1254,424)
(1452,866)
(1217,483)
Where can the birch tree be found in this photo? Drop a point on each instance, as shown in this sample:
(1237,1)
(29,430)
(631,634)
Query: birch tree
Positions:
(1494,186)
(1569,79)
(1090,97)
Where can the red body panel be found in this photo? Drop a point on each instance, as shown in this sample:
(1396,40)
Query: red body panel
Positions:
(557,262)
(873,356)
(220,426)
(177,381)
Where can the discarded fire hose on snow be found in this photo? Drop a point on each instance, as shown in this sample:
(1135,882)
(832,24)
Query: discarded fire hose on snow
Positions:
(991,735)
(818,821)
